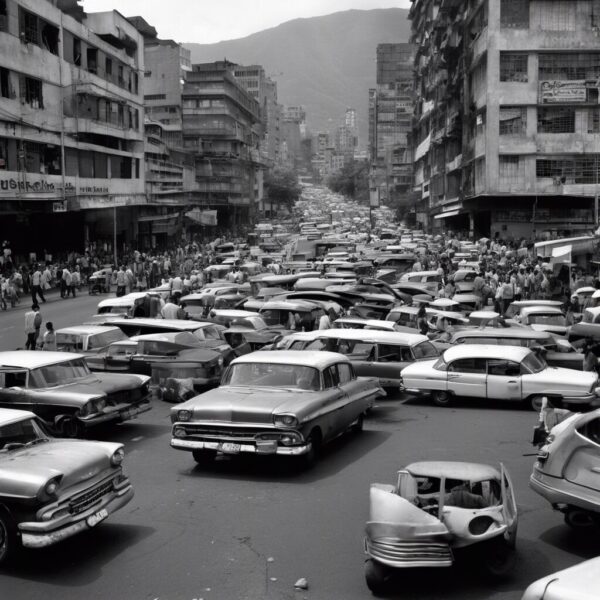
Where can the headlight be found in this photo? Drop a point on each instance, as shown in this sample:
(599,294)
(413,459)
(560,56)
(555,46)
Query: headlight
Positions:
(117,458)
(184,415)
(480,525)
(285,421)
(51,488)
(179,432)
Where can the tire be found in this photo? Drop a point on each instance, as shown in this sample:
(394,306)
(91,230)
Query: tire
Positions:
(359,424)
(8,537)
(441,398)
(534,403)
(70,427)
(308,460)
(580,519)
(204,457)
(376,576)
(499,558)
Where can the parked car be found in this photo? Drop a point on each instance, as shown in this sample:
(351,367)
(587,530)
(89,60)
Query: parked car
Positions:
(515,307)
(285,403)
(543,318)
(435,511)
(381,354)
(62,391)
(136,304)
(276,313)
(464,280)
(499,373)
(52,489)
(580,582)
(567,470)
(87,338)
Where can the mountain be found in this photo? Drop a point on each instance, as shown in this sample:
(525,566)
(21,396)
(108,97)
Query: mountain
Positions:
(325,63)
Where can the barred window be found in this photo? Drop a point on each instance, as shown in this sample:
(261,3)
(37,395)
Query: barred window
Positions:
(510,169)
(594,120)
(576,170)
(514,14)
(559,119)
(513,120)
(569,67)
(513,67)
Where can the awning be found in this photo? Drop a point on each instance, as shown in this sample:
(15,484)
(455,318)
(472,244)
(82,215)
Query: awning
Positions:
(147,218)
(449,213)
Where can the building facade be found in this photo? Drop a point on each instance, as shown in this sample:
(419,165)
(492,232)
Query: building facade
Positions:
(391,106)
(508,124)
(71,126)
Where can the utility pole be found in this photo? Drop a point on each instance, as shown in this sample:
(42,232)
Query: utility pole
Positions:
(115,233)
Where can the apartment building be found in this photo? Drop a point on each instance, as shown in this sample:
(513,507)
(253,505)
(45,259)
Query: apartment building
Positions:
(507,126)
(71,126)
(219,126)
(391,106)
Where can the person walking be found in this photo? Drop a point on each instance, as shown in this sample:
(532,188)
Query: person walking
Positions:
(33,322)
(121,281)
(36,285)
(65,282)
(75,282)
(49,338)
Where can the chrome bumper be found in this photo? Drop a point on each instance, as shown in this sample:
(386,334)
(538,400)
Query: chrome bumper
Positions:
(404,555)
(559,491)
(39,534)
(258,448)
(118,414)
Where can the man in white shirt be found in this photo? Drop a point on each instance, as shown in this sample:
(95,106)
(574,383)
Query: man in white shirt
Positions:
(170,311)
(36,286)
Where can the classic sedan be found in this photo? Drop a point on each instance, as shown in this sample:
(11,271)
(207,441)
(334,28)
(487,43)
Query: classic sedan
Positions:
(283,402)
(499,373)
(52,489)
(87,338)
(62,391)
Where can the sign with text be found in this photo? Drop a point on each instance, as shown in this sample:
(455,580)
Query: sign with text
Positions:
(60,206)
(553,92)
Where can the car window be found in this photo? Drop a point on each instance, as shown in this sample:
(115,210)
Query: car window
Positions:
(393,353)
(69,342)
(468,365)
(510,342)
(345,372)
(591,431)
(505,368)
(10,379)
(335,378)
(327,379)
(425,350)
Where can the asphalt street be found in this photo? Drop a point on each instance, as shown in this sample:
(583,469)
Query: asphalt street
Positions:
(248,529)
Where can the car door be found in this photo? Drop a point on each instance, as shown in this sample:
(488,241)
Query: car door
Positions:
(390,359)
(336,416)
(119,359)
(358,397)
(503,379)
(509,506)
(583,467)
(467,377)
(13,385)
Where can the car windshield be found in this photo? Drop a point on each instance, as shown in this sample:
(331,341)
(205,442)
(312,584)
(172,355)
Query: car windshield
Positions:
(25,431)
(100,340)
(440,364)
(425,350)
(61,373)
(534,362)
(273,376)
(547,320)
(193,306)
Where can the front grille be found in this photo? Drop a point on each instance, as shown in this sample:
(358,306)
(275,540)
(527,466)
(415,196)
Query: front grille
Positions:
(83,502)
(409,552)
(124,397)
(221,433)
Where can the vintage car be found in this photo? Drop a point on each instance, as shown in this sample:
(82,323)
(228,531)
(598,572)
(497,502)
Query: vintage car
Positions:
(62,391)
(436,511)
(430,280)
(136,304)
(467,303)
(567,470)
(500,373)
(51,488)
(381,354)
(276,313)
(514,308)
(275,403)
(198,304)
(580,582)
(463,280)
(87,338)
(369,324)
(543,318)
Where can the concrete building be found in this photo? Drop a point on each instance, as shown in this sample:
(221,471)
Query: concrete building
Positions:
(219,126)
(508,124)
(391,106)
(71,126)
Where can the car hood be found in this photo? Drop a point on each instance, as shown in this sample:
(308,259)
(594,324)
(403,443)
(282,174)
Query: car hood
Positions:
(420,367)
(24,471)
(247,405)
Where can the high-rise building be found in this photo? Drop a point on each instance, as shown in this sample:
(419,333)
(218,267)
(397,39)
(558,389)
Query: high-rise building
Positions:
(507,128)
(71,126)
(391,106)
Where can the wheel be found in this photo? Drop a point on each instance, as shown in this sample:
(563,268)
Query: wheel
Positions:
(359,424)
(8,538)
(580,519)
(376,576)
(204,457)
(309,459)
(534,403)
(70,427)
(499,558)
(441,398)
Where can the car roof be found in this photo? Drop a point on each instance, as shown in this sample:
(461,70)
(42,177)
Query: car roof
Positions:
(319,360)
(513,353)
(166,336)
(31,359)
(235,314)
(178,324)
(288,305)
(522,303)
(465,471)
(10,415)
(531,310)
(509,332)
(87,329)
(373,335)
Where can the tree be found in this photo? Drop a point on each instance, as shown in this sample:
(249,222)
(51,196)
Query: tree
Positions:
(351,180)
(281,186)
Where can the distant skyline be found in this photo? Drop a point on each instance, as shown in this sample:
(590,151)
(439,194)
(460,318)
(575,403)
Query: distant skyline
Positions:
(207,22)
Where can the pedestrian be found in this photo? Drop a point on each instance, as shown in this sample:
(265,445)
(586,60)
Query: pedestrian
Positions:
(121,281)
(65,283)
(36,285)
(324,322)
(49,338)
(422,324)
(170,310)
(75,281)
(33,322)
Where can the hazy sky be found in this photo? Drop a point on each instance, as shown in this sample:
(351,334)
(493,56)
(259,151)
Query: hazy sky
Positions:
(208,21)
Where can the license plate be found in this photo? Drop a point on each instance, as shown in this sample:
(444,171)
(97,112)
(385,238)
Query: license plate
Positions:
(229,448)
(96,518)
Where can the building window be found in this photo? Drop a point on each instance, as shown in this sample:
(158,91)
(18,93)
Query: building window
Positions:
(6,90)
(92,60)
(77,52)
(3,16)
(108,67)
(29,27)
(513,67)
(513,120)
(155,97)
(566,171)
(3,154)
(135,83)
(147,73)
(514,14)
(510,169)
(569,67)
(560,15)
(556,120)
(31,91)
(594,120)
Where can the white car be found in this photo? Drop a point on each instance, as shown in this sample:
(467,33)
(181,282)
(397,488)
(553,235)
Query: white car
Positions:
(499,373)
